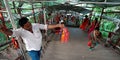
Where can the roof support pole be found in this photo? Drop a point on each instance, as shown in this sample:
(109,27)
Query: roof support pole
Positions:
(46,42)
(19,8)
(9,14)
(91,13)
(33,13)
(101,14)
(13,24)
(19,11)
(105,1)
(44,12)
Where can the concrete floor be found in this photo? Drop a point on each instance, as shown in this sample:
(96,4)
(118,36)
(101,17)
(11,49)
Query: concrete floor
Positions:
(77,49)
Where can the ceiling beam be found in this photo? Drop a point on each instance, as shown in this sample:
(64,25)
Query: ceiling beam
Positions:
(3,11)
(113,12)
(34,1)
(88,2)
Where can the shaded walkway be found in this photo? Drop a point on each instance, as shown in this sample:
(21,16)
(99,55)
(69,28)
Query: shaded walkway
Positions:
(76,49)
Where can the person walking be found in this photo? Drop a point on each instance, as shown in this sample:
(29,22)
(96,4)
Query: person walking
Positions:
(94,38)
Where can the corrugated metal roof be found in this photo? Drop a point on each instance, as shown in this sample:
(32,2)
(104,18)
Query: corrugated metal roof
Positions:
(63,6)
(68,7)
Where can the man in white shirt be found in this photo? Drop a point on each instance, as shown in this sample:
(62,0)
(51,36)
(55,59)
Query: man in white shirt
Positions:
(31,35)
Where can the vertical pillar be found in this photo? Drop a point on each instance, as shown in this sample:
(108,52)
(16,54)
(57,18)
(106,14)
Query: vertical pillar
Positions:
(101,14)
(33,13)
(44,12)
(13,23)
(10,14)
(19,11)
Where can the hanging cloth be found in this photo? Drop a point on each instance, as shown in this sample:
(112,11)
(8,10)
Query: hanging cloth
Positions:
(65,35)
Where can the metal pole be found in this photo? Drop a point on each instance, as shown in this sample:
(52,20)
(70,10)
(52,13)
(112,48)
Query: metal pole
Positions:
(10,14)
(101,14)
(33,13)
(44,12)
(44,47)
(105,1)
(19,11)
(12,22)
(91,13)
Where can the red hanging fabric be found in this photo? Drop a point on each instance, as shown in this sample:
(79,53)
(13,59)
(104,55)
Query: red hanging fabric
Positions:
(65,35)
(15,43)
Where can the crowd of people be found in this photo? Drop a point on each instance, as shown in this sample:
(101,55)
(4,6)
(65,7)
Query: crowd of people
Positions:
(94,35)
(32,37)
(92,27)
